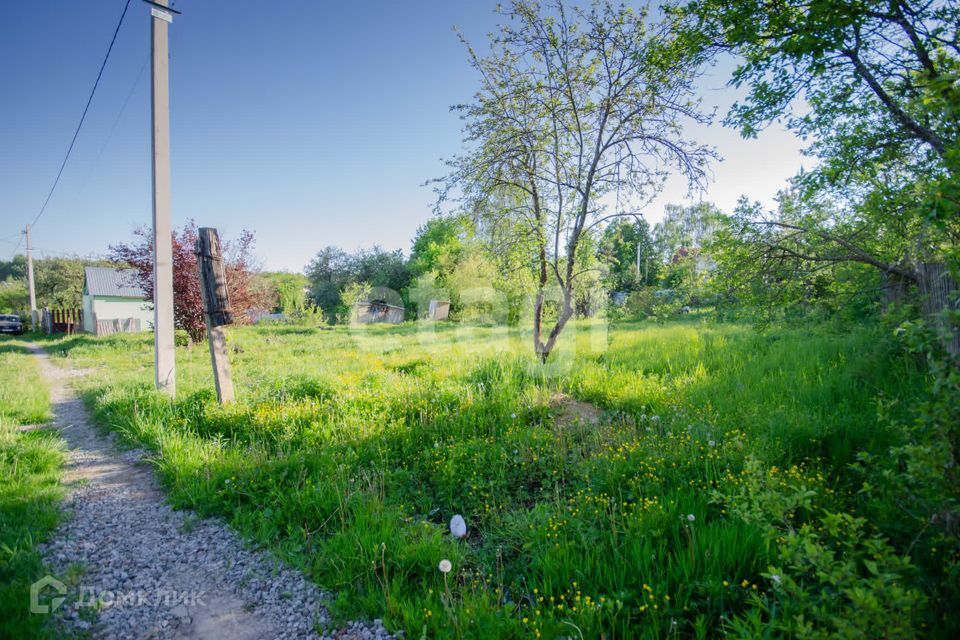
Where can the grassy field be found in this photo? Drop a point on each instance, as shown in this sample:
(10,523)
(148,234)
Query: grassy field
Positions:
(686,479)
(29,488)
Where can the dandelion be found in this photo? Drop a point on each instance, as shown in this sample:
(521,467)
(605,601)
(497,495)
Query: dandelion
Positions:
(712,443)
(691,517)
(445,566)
(513,415)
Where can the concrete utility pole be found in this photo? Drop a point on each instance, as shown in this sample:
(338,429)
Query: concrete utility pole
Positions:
(30,284)
(165,366)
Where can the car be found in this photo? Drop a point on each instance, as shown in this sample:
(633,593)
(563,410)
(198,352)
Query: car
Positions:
(11,324)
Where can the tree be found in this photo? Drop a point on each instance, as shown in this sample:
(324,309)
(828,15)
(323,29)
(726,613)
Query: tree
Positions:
(627,250)
(329,272)
(59,281)
(686,227)
(577,114)
(239,265)
(333,269)
(13,269)
(880,80)
(13,296)
(287,290)
(437,240)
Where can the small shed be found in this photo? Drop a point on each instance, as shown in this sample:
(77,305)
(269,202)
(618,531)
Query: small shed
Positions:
(372,311)
(439,310)
(114,301)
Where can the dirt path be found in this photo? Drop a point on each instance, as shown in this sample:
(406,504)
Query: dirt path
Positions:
(135,568)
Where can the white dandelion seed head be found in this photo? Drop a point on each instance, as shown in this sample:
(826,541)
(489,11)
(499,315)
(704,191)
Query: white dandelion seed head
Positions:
(445,566)
(691,517)
(712,443)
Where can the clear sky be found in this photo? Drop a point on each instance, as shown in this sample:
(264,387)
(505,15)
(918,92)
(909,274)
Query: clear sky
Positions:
(309,122)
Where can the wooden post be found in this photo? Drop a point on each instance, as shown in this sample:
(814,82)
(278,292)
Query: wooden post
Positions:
(216,308)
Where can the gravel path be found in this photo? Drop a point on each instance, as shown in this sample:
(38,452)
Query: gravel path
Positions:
(135,568)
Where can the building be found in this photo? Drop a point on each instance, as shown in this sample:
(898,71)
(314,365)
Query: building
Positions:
(375,311)
(114,301)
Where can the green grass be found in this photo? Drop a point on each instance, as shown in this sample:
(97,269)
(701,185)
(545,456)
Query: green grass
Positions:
(30,492)
(717,449)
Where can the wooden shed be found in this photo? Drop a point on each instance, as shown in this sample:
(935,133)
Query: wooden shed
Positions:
(373,311)
(439,310)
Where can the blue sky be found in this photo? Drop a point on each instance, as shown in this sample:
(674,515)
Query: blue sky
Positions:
(311,123)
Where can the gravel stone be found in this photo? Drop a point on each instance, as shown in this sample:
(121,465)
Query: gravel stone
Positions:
(135,568)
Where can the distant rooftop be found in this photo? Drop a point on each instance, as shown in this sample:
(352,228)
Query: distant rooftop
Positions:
(107,281)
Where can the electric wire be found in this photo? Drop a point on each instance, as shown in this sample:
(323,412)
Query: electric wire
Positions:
(83,115)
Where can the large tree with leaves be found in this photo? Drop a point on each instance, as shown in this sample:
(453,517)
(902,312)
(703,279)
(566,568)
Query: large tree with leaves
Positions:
(576,121)
(879,82)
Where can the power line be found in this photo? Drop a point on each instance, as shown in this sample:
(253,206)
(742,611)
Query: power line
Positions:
(19,242)
(83,115)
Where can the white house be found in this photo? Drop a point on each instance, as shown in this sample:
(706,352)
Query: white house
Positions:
(114,301)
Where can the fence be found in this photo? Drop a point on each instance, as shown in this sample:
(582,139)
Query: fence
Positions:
(115,325)
(61,320)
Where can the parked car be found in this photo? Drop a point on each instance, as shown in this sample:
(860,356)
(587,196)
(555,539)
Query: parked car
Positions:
(11,324)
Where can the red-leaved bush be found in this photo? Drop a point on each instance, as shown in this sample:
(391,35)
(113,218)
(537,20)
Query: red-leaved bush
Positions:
(187,303)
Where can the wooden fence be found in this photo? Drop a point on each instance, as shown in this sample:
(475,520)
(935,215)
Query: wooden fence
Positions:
(61,320)
(115,325)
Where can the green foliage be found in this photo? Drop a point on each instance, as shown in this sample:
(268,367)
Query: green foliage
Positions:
(438,243)
(30,489)
(833,579)
(881,109)
(689,228)
(13,269)
(14,297)
(352,294)
(597,96)
(626,249)
(332,270)
(58,282)
(664,477)
(289,292)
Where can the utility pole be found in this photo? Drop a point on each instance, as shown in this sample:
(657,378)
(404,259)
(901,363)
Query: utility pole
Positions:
(30,284)
(165,367)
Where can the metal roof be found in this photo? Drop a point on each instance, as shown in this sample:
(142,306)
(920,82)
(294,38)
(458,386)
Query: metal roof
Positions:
(107,281)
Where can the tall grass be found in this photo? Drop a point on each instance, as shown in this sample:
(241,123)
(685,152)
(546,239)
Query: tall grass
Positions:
(349,452)
(29,489)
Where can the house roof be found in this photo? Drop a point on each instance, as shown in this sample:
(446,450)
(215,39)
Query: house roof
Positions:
(107,281)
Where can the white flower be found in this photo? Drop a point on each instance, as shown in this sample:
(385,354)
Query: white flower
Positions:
(775,578)
(712,443)
(458,527)
(691,517)
(445,566)
(513,415)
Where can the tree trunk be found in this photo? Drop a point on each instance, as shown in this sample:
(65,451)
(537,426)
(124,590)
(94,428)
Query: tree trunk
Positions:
(538,326)
(938,297)
(543,349)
